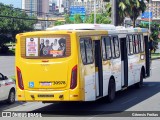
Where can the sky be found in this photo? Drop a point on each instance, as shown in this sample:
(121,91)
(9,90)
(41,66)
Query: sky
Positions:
(15,3)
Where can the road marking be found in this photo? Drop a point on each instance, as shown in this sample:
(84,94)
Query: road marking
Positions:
(129,100)
(28,106)
(151,85)
(95,116)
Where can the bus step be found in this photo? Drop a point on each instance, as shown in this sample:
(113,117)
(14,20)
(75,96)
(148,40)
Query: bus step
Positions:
(124,88)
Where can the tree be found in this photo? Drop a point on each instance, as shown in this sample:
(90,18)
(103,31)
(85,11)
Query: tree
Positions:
(130,8)
(104,17)
(13,21)
(154,39)
(100,18)
(67,19)
(107,11)
(77,18)
(58,23)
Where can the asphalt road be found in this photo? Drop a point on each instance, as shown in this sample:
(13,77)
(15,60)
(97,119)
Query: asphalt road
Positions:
(7,64)
(132,99)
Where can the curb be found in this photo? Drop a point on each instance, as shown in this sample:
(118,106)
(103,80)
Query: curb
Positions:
(155,58)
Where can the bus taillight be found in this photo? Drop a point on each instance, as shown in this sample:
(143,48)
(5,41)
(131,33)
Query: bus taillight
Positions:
(20,80)
(73,78)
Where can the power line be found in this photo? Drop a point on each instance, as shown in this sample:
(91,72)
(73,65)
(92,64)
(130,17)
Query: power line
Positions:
(23,18)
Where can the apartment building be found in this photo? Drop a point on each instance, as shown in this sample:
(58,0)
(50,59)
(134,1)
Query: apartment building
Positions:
(36,7)
(154,8)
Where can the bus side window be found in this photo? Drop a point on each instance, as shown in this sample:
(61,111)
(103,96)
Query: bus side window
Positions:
(130,44)
(141,43)
(89,50)
(106,47)
(83,53)
(86,50)
(115,47)
(128,48)
(135,44)
(112,48)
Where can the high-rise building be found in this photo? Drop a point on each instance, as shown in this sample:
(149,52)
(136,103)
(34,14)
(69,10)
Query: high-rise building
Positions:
(36,7)
(154,8)
(59,5)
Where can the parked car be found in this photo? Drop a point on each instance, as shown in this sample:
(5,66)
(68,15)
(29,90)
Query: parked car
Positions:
(7,89)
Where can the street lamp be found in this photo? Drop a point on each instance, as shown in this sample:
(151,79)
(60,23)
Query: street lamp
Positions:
(47,20)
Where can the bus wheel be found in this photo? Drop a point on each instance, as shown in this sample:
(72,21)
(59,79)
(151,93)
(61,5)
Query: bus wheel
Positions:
(111,91)
(140,83)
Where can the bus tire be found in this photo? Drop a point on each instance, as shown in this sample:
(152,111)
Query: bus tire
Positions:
(140,83)
(111,91)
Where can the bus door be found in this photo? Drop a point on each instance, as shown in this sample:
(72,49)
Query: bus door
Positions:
(148,56)
(88,69)
(124,61)
(107,55)
(98,68)
(116,61)
(131,59)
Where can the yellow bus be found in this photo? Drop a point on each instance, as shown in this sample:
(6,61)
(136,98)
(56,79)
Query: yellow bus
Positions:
(80,65)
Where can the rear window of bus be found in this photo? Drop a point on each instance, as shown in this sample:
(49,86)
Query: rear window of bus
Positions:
(46,47)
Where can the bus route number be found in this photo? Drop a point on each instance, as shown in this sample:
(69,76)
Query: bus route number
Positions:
(59,83)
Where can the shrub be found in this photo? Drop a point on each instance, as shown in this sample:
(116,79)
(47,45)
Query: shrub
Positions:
(4,49)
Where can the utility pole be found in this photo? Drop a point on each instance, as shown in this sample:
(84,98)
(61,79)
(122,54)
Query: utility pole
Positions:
(114,11)
(46,20)
(94,11)
(31,6)
(69,5)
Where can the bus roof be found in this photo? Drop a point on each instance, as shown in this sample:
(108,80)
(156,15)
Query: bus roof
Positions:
(110,28)
(83,27)
(59,32)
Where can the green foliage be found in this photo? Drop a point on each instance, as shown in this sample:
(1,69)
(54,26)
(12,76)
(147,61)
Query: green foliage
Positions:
(154,34)
(130,8)
(67,19)
(108,9)
(13,25)
(104,17)
(13,77)
(100,18)
(3,39)
(58,23)
(77,19)
(4,49)
(13,21)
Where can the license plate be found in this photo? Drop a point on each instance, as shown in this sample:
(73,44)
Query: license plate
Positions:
(45,96)
(46,84)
